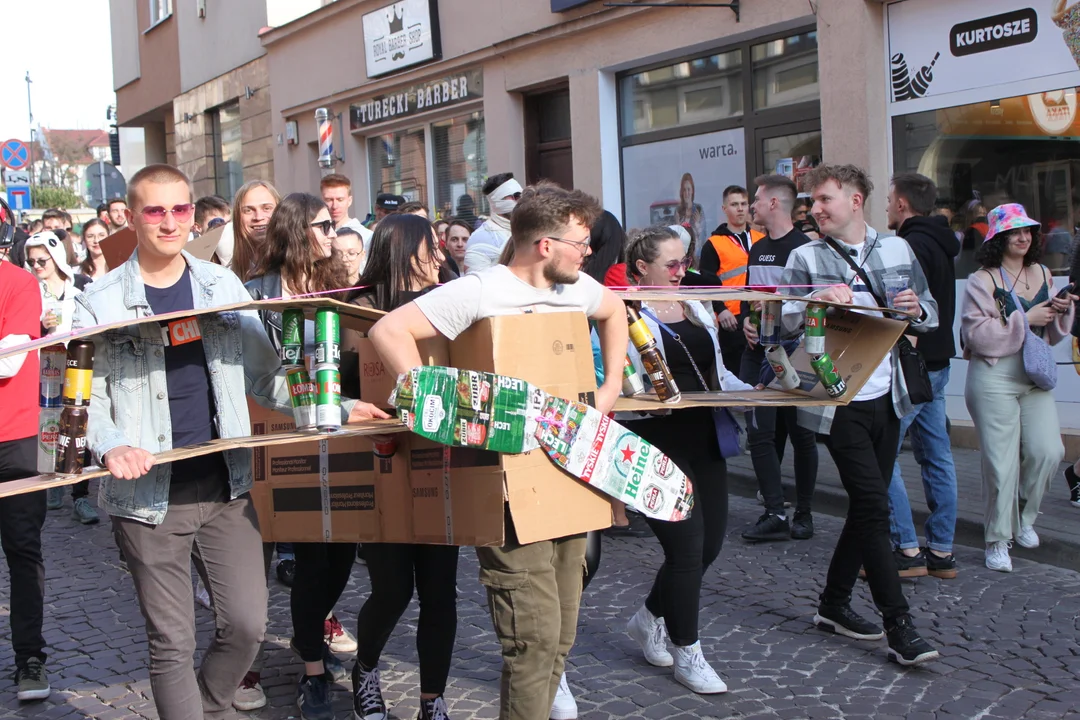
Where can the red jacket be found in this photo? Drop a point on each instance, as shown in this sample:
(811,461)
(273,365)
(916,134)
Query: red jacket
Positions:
(20,314)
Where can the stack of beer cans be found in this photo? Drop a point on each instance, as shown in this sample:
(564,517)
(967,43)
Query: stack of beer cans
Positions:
(78,378)
(814,342)
(52,361)
(315,404)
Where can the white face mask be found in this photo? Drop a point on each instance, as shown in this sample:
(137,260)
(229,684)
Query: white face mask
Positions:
(501,202)
(504,206)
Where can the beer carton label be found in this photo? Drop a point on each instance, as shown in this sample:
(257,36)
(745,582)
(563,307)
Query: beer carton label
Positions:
(464,408)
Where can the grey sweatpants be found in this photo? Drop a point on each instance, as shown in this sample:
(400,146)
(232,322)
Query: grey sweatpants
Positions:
(226,534)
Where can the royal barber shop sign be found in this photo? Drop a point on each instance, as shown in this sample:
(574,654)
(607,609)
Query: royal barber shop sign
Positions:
(937,47)
(400,35)
(455,89)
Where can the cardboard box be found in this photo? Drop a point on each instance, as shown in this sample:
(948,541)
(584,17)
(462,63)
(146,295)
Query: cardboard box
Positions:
(376,383)
(429,493)
(856,342)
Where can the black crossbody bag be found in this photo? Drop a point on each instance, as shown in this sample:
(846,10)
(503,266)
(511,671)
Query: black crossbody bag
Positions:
(916,376)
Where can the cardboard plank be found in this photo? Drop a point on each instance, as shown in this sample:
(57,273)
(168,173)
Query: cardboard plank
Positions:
(711,294)
(118,246)
(368,427)
(768,397)
(353,317)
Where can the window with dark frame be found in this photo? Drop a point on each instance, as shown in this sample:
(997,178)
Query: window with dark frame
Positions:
(228,149)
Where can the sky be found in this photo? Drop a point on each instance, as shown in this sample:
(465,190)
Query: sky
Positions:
(65,44)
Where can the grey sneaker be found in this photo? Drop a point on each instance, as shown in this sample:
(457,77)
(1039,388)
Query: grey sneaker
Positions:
(84,512)
(54,498)
(32,680)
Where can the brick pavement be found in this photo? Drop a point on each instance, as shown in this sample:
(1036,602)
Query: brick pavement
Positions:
(1008,641)
(1058,525)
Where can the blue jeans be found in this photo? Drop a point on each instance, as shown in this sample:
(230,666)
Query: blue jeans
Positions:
(930,440)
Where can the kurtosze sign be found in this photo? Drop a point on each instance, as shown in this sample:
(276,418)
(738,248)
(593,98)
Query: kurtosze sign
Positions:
(939,47)
(453,90)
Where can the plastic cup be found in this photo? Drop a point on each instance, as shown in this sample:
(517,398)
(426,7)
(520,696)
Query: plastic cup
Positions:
(894,285)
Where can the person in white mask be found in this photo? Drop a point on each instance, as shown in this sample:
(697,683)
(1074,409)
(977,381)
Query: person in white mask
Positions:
(486,244)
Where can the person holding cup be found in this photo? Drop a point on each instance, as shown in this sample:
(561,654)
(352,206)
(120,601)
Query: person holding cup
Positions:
(46,258)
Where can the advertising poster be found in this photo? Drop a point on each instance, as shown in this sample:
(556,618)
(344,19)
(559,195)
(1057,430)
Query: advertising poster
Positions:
(682,180)
(939,47)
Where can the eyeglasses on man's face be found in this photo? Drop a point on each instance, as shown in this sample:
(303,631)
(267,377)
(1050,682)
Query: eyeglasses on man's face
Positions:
(155,214)
(581,245)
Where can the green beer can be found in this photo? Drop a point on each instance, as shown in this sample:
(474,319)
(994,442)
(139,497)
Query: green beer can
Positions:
(327,397)
(292,337)
(826,372)
(327,337)
(302,394)
(814,340)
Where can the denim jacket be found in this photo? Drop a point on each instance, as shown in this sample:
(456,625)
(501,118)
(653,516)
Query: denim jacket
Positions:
(130,396)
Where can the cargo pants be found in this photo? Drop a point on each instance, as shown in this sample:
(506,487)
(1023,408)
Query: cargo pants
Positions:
(534,592)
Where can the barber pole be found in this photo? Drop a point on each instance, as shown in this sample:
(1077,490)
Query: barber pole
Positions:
(326,138)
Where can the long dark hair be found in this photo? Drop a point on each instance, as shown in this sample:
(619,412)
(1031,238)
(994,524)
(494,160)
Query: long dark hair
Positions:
(244,259)
(607,241)
(391,271)
(990,253)
(88,264)
(290,248)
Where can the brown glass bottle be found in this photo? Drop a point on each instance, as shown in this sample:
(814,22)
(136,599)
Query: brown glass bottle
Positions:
(655,367)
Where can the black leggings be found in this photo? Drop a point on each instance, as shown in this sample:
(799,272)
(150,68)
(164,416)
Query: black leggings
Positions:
(692,545)
(392,568)
(322,572)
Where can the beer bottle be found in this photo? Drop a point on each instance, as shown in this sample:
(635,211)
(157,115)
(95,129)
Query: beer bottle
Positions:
(655,367)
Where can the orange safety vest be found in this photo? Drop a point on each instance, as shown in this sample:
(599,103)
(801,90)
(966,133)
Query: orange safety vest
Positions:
(732,262)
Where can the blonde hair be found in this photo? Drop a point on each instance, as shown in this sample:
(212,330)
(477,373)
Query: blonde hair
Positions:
(243,259)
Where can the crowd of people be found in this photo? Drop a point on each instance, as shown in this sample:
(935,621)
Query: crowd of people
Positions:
(541,248)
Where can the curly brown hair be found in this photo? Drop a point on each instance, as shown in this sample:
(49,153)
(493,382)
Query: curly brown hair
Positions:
(991,252)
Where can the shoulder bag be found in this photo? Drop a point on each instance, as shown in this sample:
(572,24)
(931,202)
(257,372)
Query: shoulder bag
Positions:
(916,376)
(1038,356)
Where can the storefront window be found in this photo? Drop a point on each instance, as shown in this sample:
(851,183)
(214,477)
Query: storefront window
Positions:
(1020,149)
(460,164)
(793,155)
(785,71)
(228,166)
(398,164)
(693,91)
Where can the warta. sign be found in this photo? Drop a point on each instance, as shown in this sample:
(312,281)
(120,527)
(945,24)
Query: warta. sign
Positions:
(453,90)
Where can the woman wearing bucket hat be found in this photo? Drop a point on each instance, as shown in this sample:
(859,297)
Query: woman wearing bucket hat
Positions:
(1017,421)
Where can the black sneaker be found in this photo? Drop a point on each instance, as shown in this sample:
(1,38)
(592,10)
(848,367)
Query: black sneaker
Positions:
(1074,486)
(769,527)
(842,620)
(434,709)
(802,525)
(941,567)
(906,646)
(909,567)
(286,572)
(368,703)
(313,697)
(32,681)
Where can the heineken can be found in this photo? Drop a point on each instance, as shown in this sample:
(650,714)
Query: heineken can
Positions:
(786,377)
(770,323)
(327,337)
(53,362)
(814,340)
(292,337)
(826,372)
(302,394)
(631,381)
(327,396)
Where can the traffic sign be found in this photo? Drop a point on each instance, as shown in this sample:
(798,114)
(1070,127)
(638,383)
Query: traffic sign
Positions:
(18,197)
(103,182)
(16,177)
(14,154)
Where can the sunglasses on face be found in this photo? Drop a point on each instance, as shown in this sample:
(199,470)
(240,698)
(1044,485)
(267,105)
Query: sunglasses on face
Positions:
(40,262)
(674,266)
(155,214)
(325,225)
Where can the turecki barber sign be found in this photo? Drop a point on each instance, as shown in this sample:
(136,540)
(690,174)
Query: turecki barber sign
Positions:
(401,35)
(936,47)
(444,92)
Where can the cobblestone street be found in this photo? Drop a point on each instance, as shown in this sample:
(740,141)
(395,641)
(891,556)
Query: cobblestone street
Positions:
(1008,642)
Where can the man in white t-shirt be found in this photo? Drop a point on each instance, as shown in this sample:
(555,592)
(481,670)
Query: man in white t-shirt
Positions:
(336,191)
(551,241)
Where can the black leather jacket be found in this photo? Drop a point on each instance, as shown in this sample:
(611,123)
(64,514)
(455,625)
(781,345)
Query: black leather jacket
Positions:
(264,288)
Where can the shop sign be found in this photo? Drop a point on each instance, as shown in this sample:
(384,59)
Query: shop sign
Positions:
(446,92)
(682,180)
(1053,111)
(936,48)
(400,35)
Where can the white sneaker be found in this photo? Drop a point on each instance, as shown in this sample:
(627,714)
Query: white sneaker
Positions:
(1027,537)
(693,672)
(337,637)
(249,696)
(565,707)
(997,556)
(651,635)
